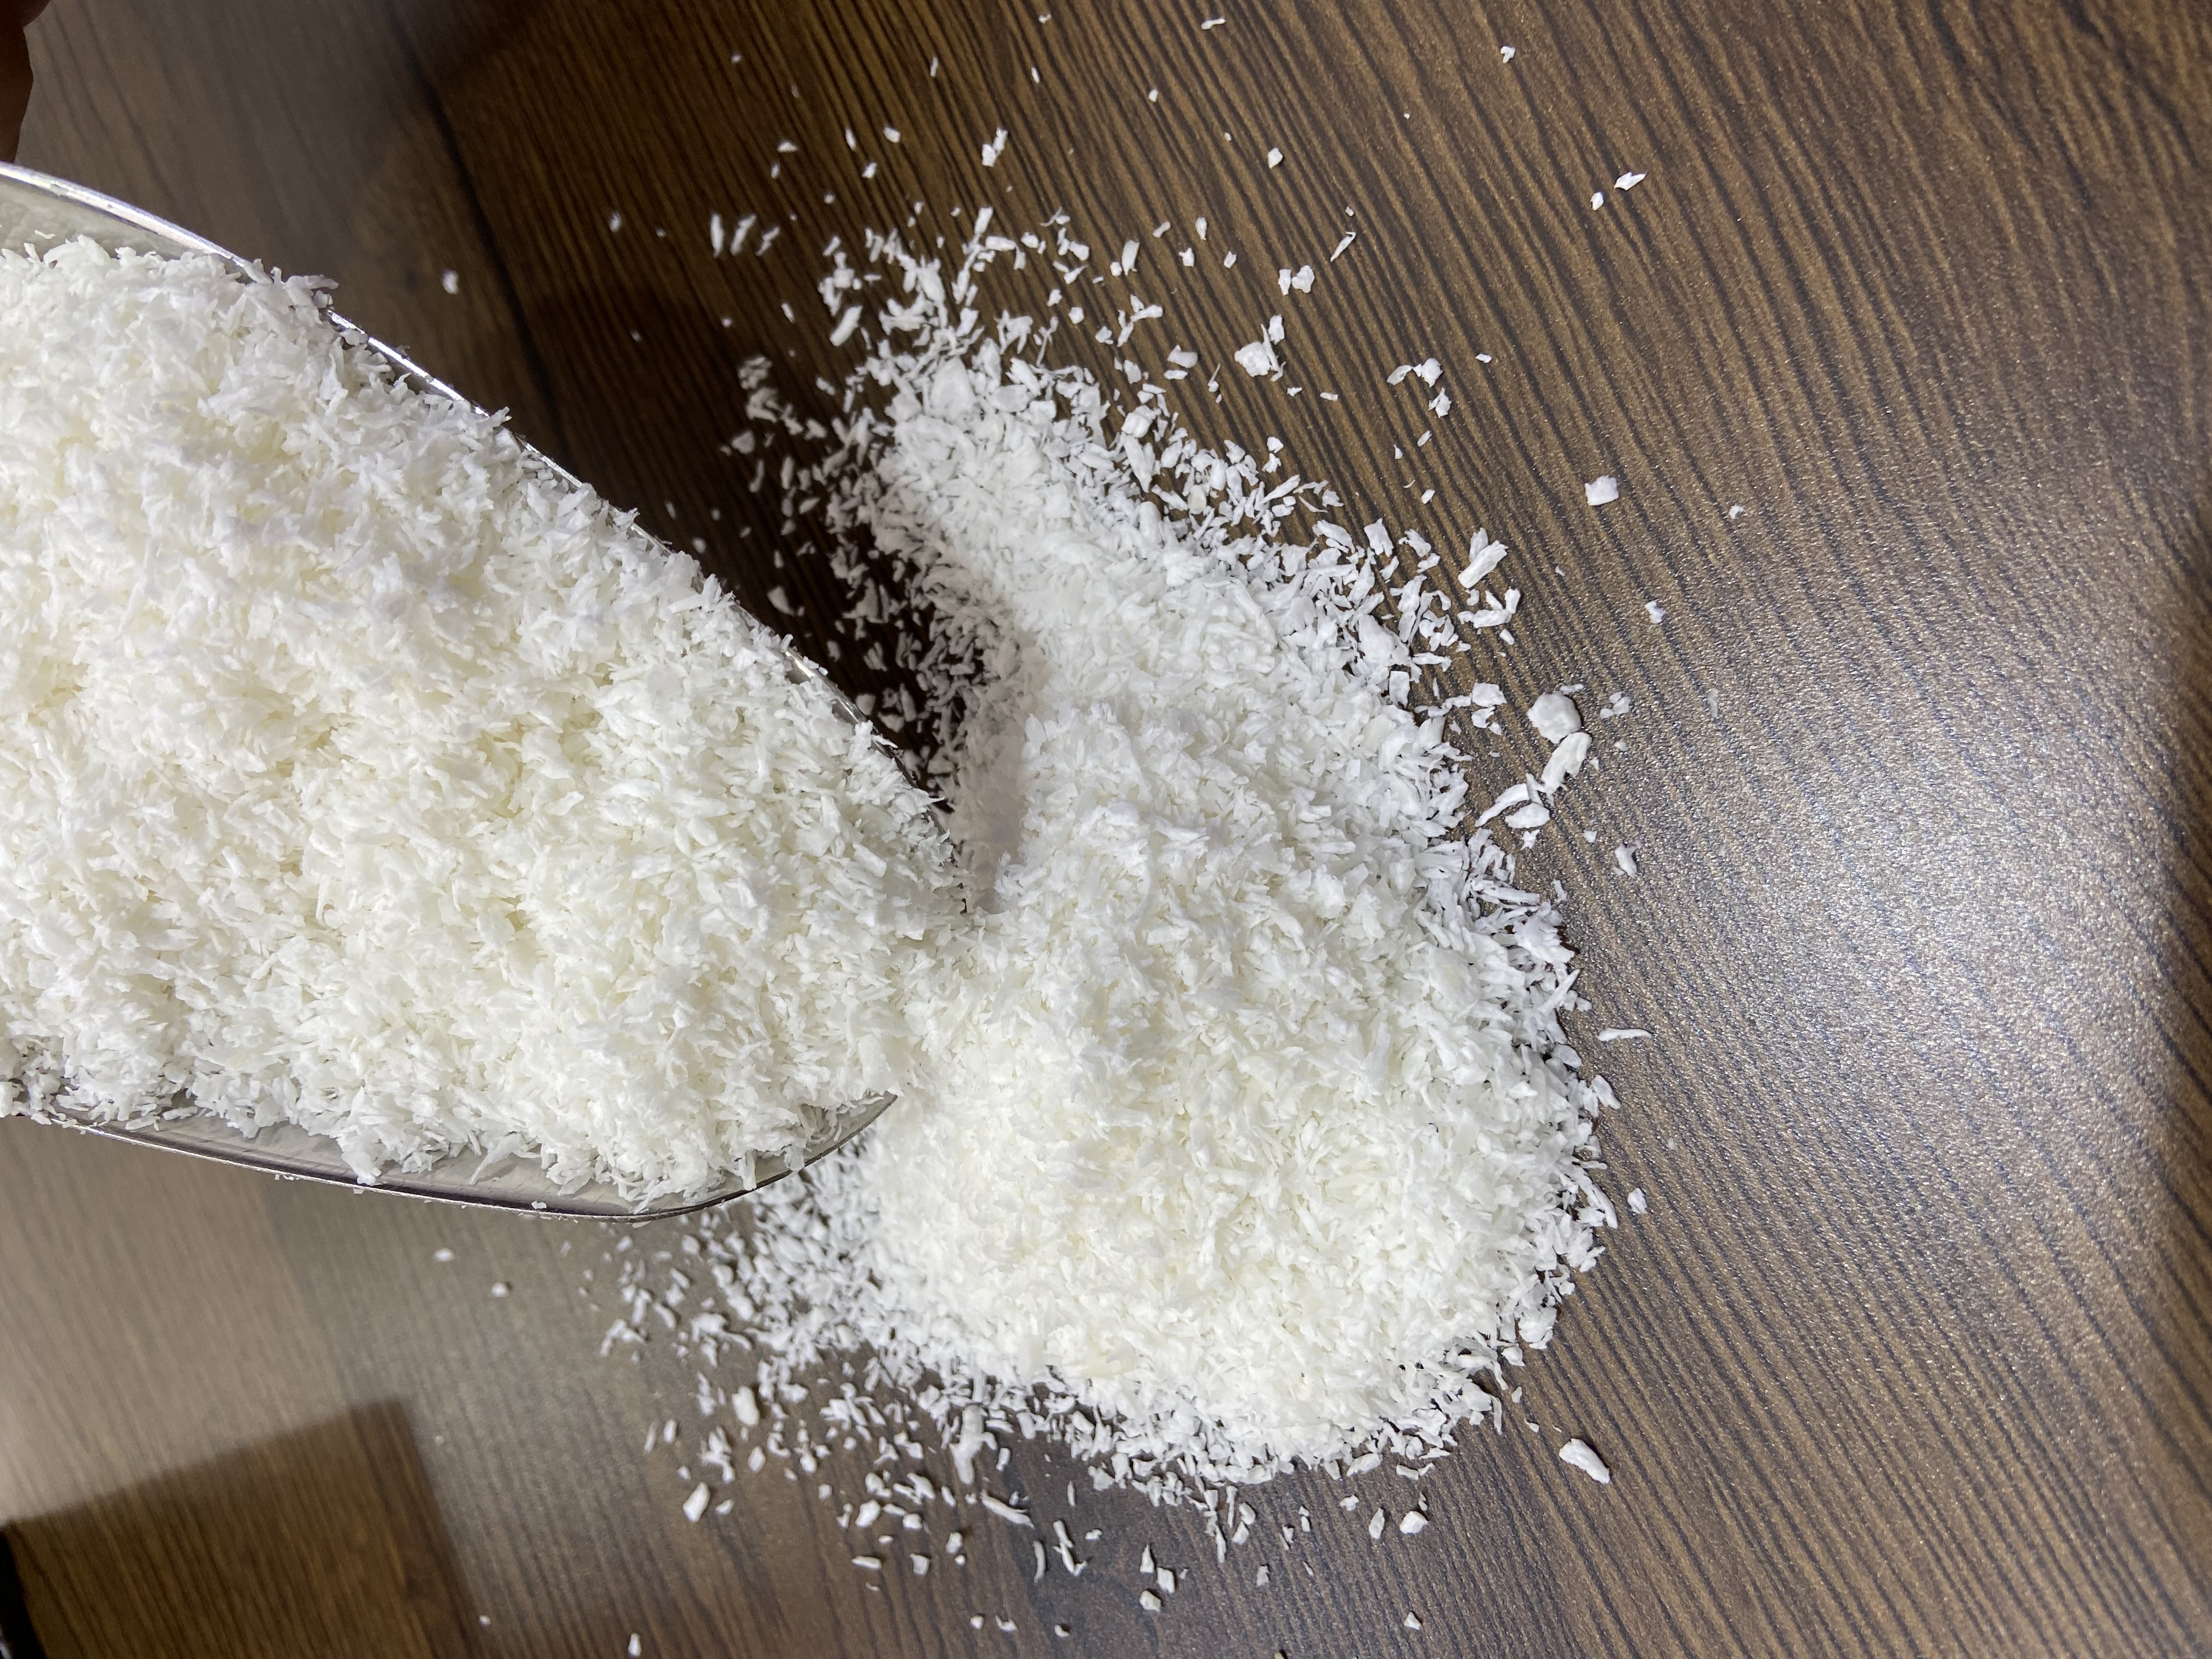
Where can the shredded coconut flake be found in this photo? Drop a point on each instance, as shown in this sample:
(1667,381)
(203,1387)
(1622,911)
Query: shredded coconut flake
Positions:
(1577,1455)
(1555,715)
(1566,760)
(355,769)
(1257,358)
(1483,556)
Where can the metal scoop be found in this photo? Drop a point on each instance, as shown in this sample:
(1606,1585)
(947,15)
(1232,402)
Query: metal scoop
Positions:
(39,209)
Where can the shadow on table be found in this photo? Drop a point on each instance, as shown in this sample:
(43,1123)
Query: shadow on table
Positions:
(2181,1391)
(313,1544)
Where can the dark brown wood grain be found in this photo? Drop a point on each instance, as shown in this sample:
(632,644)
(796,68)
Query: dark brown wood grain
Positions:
(1911,1354)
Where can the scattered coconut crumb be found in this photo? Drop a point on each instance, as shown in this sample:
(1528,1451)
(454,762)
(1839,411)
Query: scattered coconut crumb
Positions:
(1483,556)
(1620,1033)
(1628,181)
(1655,610)
(1625,858)
(1555,715)
(1257,358)
(1577,1455)
(1601,489)
(1638,1204)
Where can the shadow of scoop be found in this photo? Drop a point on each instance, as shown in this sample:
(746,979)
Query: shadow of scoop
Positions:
(314,1545)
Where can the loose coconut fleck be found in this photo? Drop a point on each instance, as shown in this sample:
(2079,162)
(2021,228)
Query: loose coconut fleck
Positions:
(1576,1455)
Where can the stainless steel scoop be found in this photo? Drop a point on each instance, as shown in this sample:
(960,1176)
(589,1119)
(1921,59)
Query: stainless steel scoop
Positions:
(493,1181)
(39,209)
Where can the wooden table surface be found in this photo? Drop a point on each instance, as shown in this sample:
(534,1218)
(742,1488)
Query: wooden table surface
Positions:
(1911,1355)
